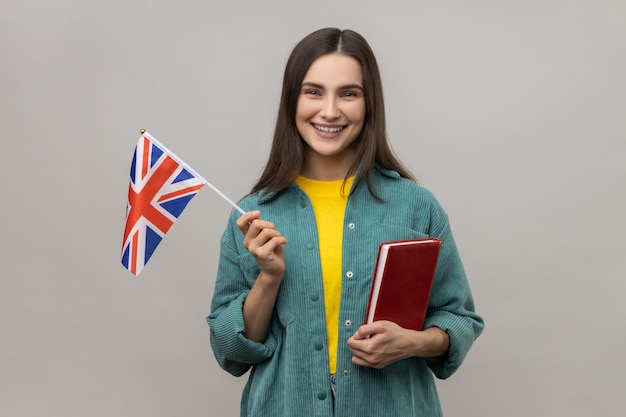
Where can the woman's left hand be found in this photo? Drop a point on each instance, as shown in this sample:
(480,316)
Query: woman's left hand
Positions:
(388,343)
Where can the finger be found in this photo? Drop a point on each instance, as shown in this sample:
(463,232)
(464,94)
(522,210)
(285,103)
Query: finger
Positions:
(244,221)
(360,334)
(358,361)
(259,229)
(365,331)
(276,244)
(267,242)
(359,347)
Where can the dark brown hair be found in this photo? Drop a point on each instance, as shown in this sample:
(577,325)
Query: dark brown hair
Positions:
(288,150)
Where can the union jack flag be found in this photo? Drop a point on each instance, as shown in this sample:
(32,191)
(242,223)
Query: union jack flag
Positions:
(160,187)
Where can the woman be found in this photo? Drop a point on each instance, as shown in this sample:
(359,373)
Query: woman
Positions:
(293,283)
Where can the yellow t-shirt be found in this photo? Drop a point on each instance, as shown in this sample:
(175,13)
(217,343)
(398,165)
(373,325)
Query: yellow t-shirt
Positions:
(329,207)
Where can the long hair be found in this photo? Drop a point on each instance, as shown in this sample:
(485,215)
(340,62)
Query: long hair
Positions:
(288,150)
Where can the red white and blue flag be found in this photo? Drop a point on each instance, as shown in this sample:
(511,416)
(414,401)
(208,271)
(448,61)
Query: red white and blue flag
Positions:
(161,186)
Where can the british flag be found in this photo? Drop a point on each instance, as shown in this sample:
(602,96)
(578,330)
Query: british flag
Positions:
(161,186)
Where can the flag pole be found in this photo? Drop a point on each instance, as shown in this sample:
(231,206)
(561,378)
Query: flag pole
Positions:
(239,209)
(200,177)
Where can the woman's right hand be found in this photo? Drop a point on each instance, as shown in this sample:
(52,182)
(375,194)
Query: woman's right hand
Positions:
(264,242)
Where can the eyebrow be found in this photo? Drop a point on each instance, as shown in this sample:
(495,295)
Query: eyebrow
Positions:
(343,87)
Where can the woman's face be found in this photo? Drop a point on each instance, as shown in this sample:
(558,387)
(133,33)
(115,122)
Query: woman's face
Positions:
(330,113)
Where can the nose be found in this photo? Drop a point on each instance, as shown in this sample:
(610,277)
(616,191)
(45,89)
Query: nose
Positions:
(330,108)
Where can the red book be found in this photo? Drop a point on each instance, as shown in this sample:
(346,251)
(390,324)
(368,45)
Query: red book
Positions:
(402,281)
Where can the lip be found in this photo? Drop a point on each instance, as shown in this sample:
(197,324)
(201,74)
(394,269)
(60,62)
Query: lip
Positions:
(328,131)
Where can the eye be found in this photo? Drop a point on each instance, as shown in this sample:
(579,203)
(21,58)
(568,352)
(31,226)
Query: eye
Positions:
(311,92)
(351,94)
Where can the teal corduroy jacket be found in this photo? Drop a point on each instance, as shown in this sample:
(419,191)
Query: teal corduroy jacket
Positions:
(289,370)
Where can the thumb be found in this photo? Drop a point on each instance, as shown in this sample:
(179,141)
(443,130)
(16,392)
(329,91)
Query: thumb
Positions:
(363,332)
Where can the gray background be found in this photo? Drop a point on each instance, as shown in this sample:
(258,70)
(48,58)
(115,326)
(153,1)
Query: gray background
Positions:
(511,112)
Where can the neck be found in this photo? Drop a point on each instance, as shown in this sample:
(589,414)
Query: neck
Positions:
(327,168)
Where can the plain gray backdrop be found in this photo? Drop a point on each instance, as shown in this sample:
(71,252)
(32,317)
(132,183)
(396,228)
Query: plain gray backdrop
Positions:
(511,112)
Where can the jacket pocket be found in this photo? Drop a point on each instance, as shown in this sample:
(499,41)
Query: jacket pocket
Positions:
(390,232)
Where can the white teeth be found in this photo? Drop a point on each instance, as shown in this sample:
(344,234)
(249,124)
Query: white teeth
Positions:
(327,129)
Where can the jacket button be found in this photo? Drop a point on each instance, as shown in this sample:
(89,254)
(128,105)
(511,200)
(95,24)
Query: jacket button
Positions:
(315,296)
(351,225)
(319,346)
(321,395)
(349,274)
(348,322)
(310,245)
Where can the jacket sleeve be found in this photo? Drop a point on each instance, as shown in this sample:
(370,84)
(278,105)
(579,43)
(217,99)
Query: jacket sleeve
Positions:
(451,305)
(236,274)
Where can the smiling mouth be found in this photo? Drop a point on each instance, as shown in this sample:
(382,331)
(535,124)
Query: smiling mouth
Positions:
(328,129)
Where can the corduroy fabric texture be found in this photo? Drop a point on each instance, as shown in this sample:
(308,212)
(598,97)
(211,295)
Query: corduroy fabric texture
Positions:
(289,371)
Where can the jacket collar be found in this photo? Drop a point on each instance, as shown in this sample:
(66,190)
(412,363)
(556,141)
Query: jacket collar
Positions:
(265,197)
